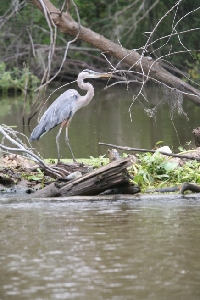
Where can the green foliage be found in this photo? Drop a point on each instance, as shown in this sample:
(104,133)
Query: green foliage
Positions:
(16,79)
(155,170)
(98,162)
(39,176)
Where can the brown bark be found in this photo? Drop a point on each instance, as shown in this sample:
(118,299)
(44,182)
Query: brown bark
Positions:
(67,25)
(113,175)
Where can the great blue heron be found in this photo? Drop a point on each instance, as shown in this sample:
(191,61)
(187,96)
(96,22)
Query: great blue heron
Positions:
(64,107)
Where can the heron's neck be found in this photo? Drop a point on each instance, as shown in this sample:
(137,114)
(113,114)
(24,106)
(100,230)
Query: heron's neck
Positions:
(85,100)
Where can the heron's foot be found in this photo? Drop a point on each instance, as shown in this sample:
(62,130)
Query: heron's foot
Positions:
(73,157)
(60,162)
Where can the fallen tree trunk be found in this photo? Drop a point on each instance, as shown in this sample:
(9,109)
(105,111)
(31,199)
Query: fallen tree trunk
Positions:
(145,66)
(112,175)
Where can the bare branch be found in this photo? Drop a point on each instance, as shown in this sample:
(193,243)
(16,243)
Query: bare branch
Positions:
(125,148)
(67,48)
(7,132)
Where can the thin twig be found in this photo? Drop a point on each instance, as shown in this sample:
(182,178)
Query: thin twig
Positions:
(25,92)
(66,50)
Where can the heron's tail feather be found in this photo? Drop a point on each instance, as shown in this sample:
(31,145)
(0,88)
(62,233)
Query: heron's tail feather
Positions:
(38,131)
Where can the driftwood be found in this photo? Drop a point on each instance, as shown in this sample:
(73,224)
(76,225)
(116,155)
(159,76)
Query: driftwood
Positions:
(186,186)
(110,176)
(196,132)
(168,189)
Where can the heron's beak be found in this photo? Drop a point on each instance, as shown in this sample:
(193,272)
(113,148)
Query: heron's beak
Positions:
(104,75)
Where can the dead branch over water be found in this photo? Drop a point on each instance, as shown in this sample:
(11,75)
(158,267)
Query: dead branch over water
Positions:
(125,148)
(147,67)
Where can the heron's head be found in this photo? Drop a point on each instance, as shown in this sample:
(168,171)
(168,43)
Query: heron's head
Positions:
(92,74)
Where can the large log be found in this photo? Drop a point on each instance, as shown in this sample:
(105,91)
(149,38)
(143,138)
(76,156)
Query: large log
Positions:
(110,176)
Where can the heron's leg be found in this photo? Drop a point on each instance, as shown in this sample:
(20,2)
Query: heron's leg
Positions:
(57,143)
(68,144)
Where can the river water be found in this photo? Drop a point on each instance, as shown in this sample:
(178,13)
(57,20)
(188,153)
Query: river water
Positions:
(147,249)
(100,250)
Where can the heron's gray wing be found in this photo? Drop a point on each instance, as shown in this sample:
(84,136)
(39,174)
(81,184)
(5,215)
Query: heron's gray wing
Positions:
(61,109)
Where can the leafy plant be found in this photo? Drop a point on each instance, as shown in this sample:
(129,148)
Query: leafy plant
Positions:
(99,161)
(16,79)
(37,177)
(155,170)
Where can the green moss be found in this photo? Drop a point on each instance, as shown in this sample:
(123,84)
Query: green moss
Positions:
(96,162)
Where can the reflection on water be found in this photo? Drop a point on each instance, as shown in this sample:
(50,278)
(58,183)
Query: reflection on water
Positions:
(85,250)
(107,119)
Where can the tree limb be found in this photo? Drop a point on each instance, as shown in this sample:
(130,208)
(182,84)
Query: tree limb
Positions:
(20,147)
(151,151)
(147,67)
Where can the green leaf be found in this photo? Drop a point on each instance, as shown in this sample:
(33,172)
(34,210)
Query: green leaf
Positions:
(35,178)
(159,142)
(39,171)
(181,149)
(170,165)
(162,176)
